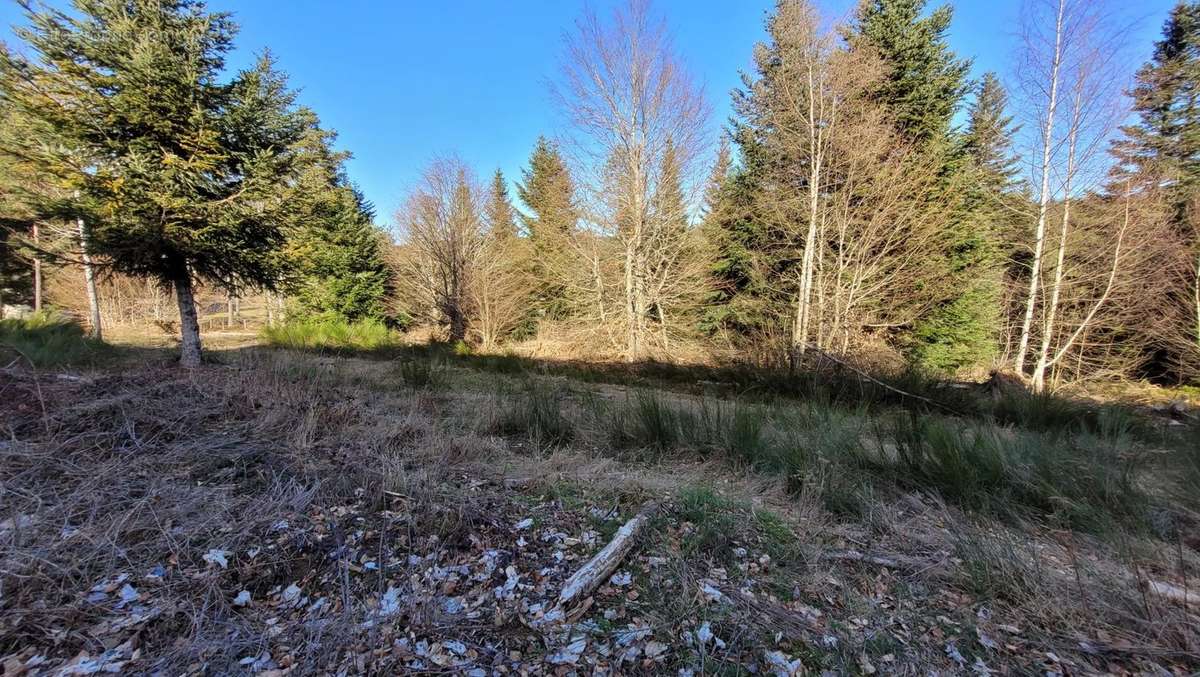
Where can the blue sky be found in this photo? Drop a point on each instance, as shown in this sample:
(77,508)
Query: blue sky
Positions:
(403,81)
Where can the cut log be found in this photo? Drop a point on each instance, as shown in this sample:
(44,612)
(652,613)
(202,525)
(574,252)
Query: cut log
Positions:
(1174,593)
(599,568)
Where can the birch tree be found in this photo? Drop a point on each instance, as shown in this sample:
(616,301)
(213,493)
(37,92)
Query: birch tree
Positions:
(629,99)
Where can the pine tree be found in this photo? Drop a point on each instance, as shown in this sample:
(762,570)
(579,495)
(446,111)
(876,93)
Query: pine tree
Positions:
(925,82)
(334,248)
(500,214)
(178,175)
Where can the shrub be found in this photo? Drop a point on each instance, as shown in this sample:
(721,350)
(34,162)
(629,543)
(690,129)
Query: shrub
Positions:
(48,339)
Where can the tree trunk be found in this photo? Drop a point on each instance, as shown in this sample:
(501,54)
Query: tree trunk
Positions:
(1196,299)
(458,322)
(1044,201)
(37,273)
(189,325)
(89,278)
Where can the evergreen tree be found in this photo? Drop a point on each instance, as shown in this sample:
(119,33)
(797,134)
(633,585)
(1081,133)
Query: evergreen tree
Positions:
(335,251)
(963,331)
(500,214)
(178,175)
(1163,147)
(742,248)
(923,87)
(1161,151)
(548,194)
(925,82)
(716,180)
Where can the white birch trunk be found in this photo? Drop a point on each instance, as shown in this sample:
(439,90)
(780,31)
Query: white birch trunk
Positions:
(1039,237)
(89,279)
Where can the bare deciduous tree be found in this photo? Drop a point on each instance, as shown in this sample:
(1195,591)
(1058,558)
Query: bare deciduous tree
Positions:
(631,103)
(441,239)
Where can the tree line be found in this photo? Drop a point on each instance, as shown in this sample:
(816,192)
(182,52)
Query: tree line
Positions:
(867,199)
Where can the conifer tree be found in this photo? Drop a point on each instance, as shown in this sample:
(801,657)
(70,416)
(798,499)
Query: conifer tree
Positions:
(925,82)
(500,214)
(334,248)
(1164,145)
(716,180)
(1161,151)
(962,332)
(178,175)
(923,87)
(548,193)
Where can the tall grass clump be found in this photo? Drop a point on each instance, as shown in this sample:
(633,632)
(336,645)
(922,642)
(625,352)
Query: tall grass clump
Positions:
(1087,481)
(647,421)
(331,334)
(418,373)
(536,412)
(48,339)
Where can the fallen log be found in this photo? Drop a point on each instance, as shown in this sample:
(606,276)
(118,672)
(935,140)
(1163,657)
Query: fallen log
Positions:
(1174,593)
(599,568)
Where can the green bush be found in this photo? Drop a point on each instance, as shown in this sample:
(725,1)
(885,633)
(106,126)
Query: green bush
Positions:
(330,334)
(48,339)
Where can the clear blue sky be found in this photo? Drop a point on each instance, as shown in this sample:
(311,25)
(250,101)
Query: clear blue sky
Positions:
(404,81)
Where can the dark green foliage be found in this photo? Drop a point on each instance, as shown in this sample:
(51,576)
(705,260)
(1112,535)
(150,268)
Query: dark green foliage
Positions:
(334,250)
(548,193)
(1160,154)
(743,251)
(1164,144)
(500,215)
(925,82)
(16,286)
(47,340)
(962,332)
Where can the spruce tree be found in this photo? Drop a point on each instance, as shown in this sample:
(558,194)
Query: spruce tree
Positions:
(178,175)
(925,82)
(548,194)
(963,331)
(716,180)
(1163,147)
(742,246)
(500,214)
(335,251)
(924,86)
(1161,152)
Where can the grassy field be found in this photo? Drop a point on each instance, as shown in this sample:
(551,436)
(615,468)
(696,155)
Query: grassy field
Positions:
(402,509)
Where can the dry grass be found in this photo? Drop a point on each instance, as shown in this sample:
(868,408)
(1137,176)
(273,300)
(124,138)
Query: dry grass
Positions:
(349,478)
